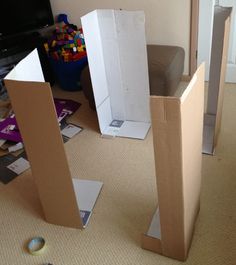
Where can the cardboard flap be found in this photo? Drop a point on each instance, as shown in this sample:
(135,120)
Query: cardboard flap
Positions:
(28,69)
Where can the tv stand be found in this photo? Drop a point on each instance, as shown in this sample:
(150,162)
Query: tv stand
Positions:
(15,48)
(12,44)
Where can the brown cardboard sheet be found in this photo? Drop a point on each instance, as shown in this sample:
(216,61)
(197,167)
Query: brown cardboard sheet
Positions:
(177,125)
(65,201)
(36,116)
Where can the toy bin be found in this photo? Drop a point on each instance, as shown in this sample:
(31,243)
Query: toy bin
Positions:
(68,73)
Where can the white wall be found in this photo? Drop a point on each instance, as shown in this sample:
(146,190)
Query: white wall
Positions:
(206,13)
(167,22)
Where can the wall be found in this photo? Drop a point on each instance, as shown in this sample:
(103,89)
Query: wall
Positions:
(167,22)
(206,13)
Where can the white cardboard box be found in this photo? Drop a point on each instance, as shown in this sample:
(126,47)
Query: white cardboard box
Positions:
(116,47)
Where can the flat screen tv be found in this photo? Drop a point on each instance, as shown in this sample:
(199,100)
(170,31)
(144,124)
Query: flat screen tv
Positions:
(24,16)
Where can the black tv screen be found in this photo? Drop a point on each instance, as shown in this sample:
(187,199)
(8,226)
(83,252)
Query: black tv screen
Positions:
(24,16)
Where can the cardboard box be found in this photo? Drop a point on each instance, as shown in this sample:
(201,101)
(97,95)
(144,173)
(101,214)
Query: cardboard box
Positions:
(219,51)
(117,57)
(62,199)
(177,125)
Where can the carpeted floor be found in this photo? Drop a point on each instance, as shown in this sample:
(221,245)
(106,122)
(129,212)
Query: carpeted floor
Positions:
(126,203)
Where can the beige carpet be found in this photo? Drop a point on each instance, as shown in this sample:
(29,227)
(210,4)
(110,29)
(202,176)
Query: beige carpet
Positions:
(126,203)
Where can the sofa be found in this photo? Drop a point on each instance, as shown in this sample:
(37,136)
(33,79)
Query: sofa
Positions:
(165,68)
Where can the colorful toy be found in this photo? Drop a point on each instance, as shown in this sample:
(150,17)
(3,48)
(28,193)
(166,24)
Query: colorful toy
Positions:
(67,43)
(62,17)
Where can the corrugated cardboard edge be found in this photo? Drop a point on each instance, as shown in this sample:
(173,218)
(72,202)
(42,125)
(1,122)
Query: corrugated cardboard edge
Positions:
(35,112)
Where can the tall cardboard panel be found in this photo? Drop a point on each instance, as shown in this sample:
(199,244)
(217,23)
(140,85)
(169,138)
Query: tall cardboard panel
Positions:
(36,117)
(33,105)
(116,47)
(177,125)
(219,51)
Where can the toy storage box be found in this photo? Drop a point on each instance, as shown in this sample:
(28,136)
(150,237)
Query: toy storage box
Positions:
(68,73)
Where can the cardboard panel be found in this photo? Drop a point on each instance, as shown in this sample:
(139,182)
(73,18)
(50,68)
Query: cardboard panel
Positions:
(118,62)
(34,108)
(219,51)
(36,116)
(28,69)
(133,60)
(192,109)
(167,146)
(111,57)
(177,134)
(94,49)
(222,76)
